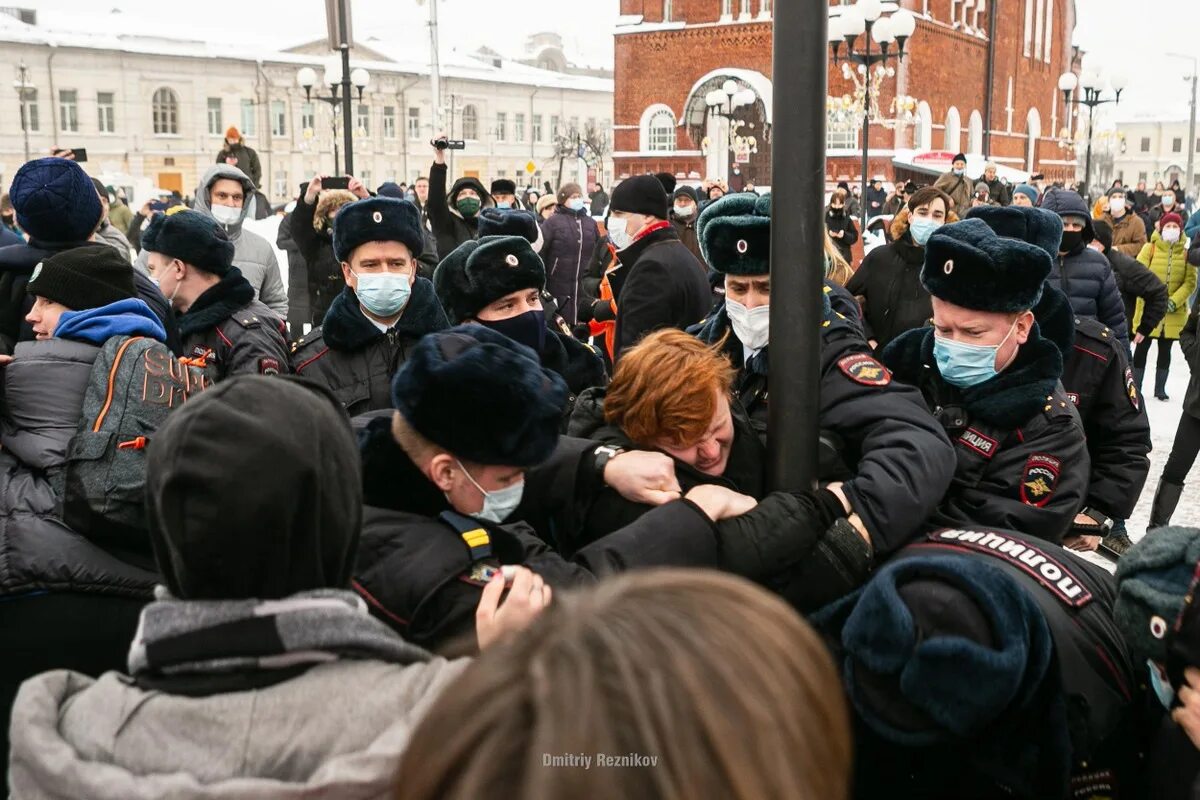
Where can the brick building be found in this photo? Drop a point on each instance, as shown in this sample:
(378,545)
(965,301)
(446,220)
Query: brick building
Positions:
(671,53)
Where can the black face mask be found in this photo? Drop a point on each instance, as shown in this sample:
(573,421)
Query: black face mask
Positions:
(528,329)
(837,211)
(1070,241)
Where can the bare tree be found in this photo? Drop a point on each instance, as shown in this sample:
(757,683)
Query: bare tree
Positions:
(591,144)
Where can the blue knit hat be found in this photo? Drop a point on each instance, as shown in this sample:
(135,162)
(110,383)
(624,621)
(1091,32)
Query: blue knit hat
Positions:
(1029,191)
(55,201)
(481,396)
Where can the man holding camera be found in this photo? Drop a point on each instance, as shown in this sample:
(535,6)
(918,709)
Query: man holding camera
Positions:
(453,216)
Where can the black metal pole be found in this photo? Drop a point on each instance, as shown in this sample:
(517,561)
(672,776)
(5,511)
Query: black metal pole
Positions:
(347,119)
(993,15)
(797,239)
(1087,169)
(866,165)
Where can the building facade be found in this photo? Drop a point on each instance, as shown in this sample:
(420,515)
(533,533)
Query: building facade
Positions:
(671,53)
(1155,150)
(156,109)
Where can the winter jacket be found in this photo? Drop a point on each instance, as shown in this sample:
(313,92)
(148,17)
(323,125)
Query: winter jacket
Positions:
(323,279)
(449,227)
(1170,265)
(1129,234)
(247,161)
(960,188)
(875,200)
(1192,226)
(252,254)
(1190,344)
(999,192)
(109,235)
(1022,458)
(299,305)
(108,738)
(120,215)
(1135,283)
(354,359)
(569,239)
(665,287)
(877,437)
(233,332)
(16,265)
(686,228)
(842,223)
(889,283)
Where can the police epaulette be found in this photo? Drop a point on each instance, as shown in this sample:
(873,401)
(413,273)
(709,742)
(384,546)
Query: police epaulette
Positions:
(247,320)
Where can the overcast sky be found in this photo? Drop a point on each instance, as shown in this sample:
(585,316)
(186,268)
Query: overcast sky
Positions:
(1133,35)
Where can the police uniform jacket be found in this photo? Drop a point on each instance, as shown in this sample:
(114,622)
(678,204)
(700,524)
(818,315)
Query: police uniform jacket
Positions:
(877,435)
(422,573)
(355,359)
(1092,674)
(234,333)
(1022,462)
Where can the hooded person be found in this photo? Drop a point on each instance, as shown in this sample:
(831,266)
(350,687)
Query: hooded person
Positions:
(246,676)
(383,310)
(57,206)
(220,322)
(1099,381)
(236,153)
(1081,273)
(454,215)
(429,254)
(226,195)
(69,601)
(993,381)
(986,663)
(497,281)
(570,237)
(685,212)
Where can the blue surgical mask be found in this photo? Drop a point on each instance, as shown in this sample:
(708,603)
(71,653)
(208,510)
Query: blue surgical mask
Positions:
(384,294)
(503,205)
(575,204)
(959,171)
(1161,687)
(497,505)
(966,365)
(922,228)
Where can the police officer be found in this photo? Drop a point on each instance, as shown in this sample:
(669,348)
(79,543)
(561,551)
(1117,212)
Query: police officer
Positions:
(985,663)
(384,310)
(1099,381)
(498,281)
(993,381)
(220,322)
(474,411)
(877,436)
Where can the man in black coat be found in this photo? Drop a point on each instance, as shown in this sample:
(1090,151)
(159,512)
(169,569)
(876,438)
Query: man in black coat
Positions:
(1134,281)
(454,215)
(661,284)
(986,664)
(299,307)
(993,381)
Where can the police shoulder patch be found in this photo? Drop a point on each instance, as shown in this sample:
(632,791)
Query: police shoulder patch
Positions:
(268,366)
(1131,390)
(1040,479)
(862,368)
(480,573)
(981,443)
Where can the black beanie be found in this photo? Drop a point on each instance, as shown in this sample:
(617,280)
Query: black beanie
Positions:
(667,180)
(640,195)
(297,531)
(88,276)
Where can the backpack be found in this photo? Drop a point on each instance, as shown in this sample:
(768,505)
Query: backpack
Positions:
(134,384)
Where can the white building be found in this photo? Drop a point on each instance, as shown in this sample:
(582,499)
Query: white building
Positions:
(1157,150)
(155,107)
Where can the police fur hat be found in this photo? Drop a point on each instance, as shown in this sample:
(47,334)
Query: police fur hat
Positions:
(377,219)
(1033,225)
(55,201)
(193,238)
(1153,578)
(481,271)
(735,234)
(511,222)
(970,265)
(503,186)
(481,396)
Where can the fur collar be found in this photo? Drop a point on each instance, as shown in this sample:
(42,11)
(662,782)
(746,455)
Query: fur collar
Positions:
(1008,400)
(577,363)
(346,328)
(232,293)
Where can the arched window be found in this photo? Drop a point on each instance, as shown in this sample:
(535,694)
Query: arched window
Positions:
(165,111)
(953,141)
(660,134)
(470,120)
(975,133)
(923,130)
(1033,124)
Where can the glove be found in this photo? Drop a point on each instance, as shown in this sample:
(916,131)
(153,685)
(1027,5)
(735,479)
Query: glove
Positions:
(839,564)
(1172,307)
(777,534)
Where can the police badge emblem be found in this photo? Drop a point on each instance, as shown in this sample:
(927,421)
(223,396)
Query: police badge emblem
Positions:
(862,368)
(1131,390)
(1040,479)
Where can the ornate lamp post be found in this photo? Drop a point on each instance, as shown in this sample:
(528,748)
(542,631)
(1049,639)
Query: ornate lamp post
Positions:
(1090,84)
(723,103)
(338,79)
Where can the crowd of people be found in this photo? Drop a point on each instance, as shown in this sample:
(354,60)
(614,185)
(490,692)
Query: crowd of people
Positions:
(482,498)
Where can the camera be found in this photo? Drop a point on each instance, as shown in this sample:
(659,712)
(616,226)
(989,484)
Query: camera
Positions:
(449,144)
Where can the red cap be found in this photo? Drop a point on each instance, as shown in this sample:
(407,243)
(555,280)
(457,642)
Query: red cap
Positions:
(1167,219)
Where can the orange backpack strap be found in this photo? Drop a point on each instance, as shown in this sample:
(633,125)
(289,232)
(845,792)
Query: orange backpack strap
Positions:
(112,377)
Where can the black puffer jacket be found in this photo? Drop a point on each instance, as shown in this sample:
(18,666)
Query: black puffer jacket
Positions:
(1135,281)
(1084,275)
(449,227)
(842,223)
(299,306)
(889,283)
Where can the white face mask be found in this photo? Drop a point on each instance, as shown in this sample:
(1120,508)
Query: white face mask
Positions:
(618,231)
(226,215)
(683,212)
(1170,235)
(750,325)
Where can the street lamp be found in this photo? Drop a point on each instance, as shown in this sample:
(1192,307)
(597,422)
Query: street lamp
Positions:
(1085,89)
(22,85)
(865,18)
(337,78)
(723,103)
